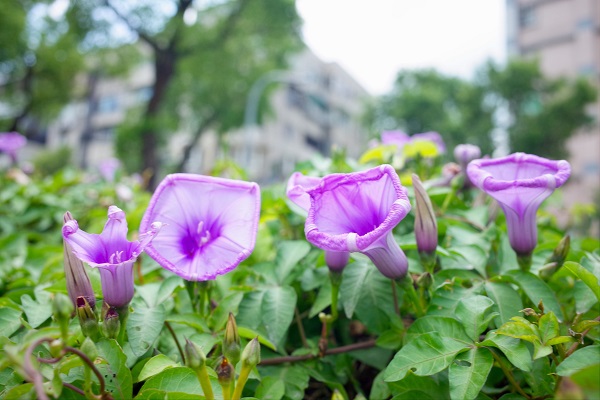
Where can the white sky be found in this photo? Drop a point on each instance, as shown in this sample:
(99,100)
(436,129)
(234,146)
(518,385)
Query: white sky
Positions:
(374,39)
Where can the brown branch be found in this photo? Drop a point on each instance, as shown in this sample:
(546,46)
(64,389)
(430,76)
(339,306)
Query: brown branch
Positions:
(181,353)
(576,344)
(187,150)
(338,350)
(90,364)
(74,388)
(300,328)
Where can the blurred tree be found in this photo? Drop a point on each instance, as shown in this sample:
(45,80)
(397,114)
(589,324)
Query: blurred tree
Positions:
(541,110)
(425,100)
(39,61)
(205,56)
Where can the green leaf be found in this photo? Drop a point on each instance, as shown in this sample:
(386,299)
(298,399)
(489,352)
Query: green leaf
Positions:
(587,380)
(559,340)
(514,349)
(584,297)
(507,301)
(38,310)
(229,303)
(167,287)
(586,276)
(323,299)
(537,290)
(375,306)
(353,276)
(144,325)
(294,377)
(270,388)
(250,334)
(117,377)
(157,394)
(380,389)
(548,327)
(189,319)
(520,328)
(474,315)
(155,365)
(468,373)
(445,326)
(250,309)
(278,311)
(178,379)
(425,355)
(289,253)
(433,388)
(541,379)
(579,360)
(10,321)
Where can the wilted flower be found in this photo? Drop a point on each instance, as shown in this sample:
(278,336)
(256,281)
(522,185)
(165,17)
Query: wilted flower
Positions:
(426,231)
(297,186)
(210,224)
(111,252)
(10,142)
(356,212)
(520,183)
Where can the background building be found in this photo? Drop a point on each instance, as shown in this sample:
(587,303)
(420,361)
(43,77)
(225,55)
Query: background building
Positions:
(314,106)
(565,36)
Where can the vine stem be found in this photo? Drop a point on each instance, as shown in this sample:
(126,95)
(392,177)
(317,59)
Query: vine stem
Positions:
(337,350)
(35,375)
(90,364)
(300,328)
(181,353)
(509,375)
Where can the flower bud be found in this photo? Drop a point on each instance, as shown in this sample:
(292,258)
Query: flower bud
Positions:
(87,318)
(251,353)
(464,154)
(336,260)
(231,341)
(225,372)
(557,259)
(337,395)
(62,308)
(425,280)
(78,282)
(111,325)
(194,356)
(426,232)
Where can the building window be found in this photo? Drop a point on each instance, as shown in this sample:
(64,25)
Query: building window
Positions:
(108,104)
(143,94)
(315,143)
(527,17)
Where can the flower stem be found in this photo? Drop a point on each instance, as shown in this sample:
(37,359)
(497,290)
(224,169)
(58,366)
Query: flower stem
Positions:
(241,382)
(409,289)
(509,375)
(123,315)
(172,332)
(524,262)
(336,281)
(205,382)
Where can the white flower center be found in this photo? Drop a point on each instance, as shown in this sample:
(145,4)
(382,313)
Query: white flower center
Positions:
(203,235)
(115,258)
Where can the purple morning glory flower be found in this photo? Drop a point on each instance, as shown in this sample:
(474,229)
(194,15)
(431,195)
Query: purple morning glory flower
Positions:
(108,168)
(210,224)
(10,142)
(356,212)
(520,183)
(465,153)
(297,186)
(111,253)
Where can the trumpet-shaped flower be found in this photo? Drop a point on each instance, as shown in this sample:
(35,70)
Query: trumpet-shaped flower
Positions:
(78,282)
(464,154)
(520,183)
(10,142)
(426,231)
(356,212)
(401,139)
(210,224)
(297,186)
(111,253)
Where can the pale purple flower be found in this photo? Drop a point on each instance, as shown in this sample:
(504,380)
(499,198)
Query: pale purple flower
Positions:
(108,168)
(297,186)
(10,142)
(111,253)
(426,230)
(464,154)
(520,183)
(401,139)
(357,212)
(210,224)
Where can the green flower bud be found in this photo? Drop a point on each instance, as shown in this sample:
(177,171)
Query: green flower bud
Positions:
(111,325)
(231,341)
(225,372)
(194,356)
(557,259)
(426,232)
(87,318)
(62,307)
(251,353)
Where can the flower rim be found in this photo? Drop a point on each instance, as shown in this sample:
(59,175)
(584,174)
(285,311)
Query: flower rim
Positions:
(352,241)
(486,181)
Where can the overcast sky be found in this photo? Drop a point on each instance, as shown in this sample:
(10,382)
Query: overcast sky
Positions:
(375,39)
